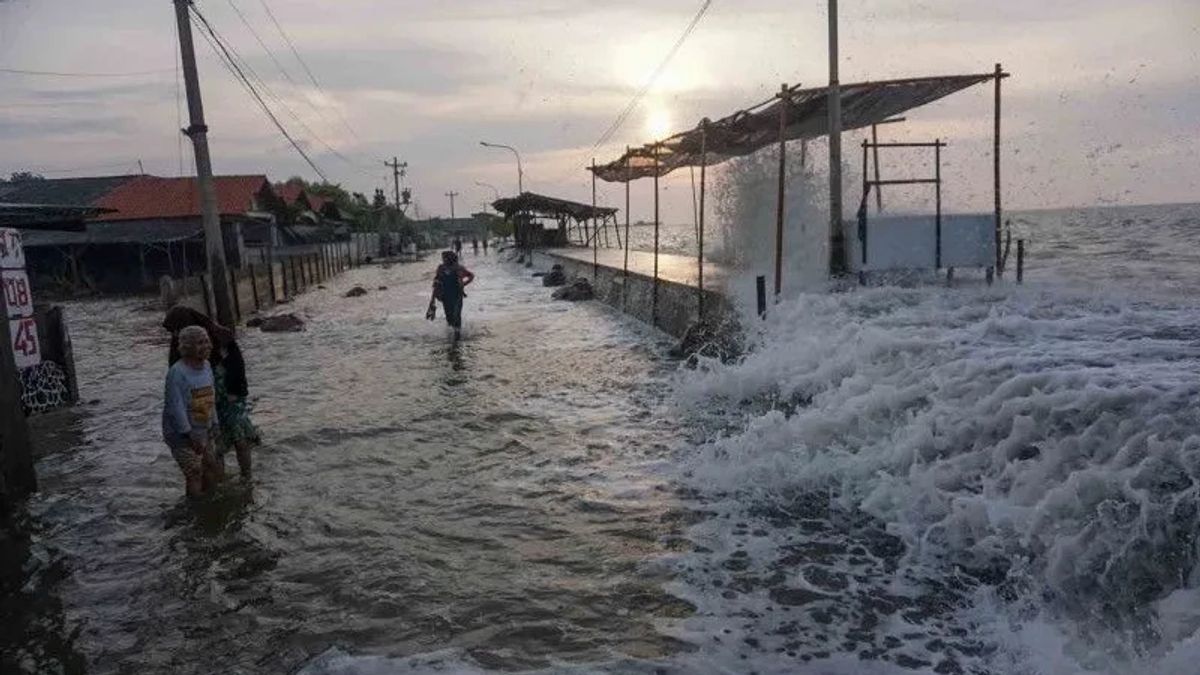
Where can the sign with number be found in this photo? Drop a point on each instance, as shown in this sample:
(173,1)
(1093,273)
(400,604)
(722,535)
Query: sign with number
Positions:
(25,341)
(16,293)
(12,254)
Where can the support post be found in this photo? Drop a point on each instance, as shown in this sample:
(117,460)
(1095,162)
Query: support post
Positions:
(783,104)
(595,231)
(625,271)
(197,131)
(654,299)
(937,196)
(1020,261)
(254,288)
(836,264)
(760,295)
(996,166)
(237,303)
(700,219)
(862,215)
(875,144)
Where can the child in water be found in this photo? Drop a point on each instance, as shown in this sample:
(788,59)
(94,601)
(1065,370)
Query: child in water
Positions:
(189,419)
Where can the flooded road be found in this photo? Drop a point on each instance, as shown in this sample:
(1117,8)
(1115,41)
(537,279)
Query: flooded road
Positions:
(496,499)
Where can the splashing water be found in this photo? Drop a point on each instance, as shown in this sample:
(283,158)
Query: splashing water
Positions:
(970,480)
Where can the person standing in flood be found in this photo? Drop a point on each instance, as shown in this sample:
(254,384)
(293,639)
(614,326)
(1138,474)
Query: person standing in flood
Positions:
(238,432)
(475,245)
(449,282)
(189,419)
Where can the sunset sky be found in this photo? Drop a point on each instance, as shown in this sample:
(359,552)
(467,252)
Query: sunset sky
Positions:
(1103,106)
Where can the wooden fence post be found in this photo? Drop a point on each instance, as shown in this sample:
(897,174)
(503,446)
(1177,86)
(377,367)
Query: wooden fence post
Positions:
(254,288)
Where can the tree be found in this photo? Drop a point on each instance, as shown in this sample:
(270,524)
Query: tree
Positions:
(25,177)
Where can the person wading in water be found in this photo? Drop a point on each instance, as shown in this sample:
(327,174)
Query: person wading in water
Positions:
(448,283)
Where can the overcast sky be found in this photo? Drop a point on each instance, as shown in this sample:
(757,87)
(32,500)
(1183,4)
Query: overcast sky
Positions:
(1103,105)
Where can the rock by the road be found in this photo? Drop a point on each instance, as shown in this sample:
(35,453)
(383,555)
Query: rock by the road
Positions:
(383,288)
(282,323)
(579,289)
(254,322)
(555,277)
(356,292)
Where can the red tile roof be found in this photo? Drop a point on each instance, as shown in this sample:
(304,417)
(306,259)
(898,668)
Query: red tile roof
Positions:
(149,197)
(291,193)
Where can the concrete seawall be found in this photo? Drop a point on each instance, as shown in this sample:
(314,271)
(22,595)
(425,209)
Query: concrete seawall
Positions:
(678,292)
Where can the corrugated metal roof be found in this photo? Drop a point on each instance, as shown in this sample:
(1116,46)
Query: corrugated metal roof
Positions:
(541,205)
(61,191)
(132,232)
(805,115)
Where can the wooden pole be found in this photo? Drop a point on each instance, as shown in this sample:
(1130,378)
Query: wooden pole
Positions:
(1020,261)
(996,165)
(862,236)
(197,131)
(937,195)
(878,191)
(254,288)
(700,217)
(628,179)
(783,104)
(654,299)
(233,288)
(595,238)
(835,146)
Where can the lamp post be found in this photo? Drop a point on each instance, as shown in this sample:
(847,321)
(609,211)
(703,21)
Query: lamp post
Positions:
(490,187)
(520,171)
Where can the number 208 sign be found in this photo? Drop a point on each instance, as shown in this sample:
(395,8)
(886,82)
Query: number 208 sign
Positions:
(19,299)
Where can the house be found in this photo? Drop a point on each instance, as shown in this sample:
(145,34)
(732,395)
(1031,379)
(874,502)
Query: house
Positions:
(151,226)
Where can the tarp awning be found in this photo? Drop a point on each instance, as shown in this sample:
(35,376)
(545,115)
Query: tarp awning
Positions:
(806,116)
(549,207)
(133,232)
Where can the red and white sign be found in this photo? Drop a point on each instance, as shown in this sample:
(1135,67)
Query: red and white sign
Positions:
(25,341)
(18,296)
(12,254)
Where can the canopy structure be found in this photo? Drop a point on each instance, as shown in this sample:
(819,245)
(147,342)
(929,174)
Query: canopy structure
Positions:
(541,206)
(805,115)
(528,210)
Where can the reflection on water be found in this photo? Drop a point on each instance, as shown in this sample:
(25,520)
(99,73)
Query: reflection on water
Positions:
(490,495)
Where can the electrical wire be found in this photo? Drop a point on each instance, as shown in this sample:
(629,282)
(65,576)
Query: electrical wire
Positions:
(308,71)
(637,98)
(288,76)
(227,58)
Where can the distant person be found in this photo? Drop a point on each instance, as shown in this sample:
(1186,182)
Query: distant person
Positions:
(475,245)
(189,419)
(458,246)
(449,282)
(238,432)
(485,245)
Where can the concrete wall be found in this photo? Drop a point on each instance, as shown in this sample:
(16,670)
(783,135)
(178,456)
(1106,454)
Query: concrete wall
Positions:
(677,303)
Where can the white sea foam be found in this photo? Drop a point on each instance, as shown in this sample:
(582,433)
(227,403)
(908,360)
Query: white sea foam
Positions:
(1047,442)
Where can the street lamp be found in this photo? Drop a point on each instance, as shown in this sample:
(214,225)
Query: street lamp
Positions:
(520,171)
(490,187)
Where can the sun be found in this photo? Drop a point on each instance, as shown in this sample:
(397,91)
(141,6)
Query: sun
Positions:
(658,122)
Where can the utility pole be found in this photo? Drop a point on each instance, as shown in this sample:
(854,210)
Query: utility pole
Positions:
(836,245)
(214,242)
(398,169)
(452,194)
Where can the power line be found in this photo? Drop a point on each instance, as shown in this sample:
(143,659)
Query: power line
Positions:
(617,123)
(308,71)
(278,99)
(227,58)
(52,73)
